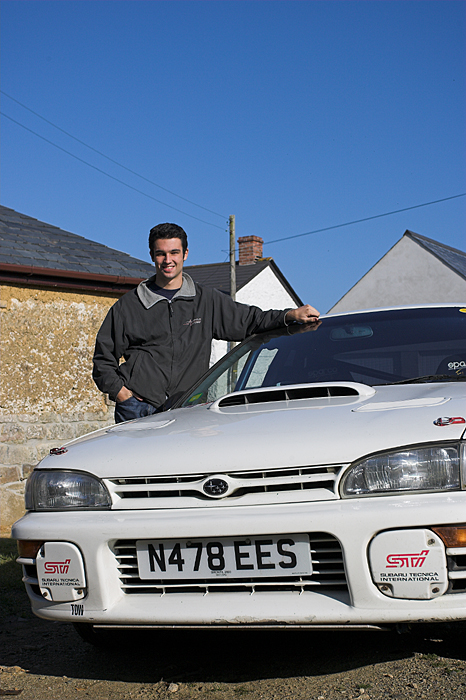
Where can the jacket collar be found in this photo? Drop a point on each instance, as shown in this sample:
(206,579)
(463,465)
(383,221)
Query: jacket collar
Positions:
(148,298)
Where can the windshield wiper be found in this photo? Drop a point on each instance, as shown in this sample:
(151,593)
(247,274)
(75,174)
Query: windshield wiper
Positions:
(434,378)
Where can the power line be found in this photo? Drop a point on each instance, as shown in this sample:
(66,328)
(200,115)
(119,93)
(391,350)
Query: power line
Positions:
(133,172)
(367,218)
(135,189)
(277,240)
(358,221)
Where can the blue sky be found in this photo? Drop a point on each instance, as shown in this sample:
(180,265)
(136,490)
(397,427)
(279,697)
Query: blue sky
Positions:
(293,115)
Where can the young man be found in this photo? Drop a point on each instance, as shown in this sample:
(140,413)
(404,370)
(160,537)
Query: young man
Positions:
(164,328)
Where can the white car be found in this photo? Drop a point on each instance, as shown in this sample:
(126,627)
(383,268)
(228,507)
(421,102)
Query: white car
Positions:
(315,478)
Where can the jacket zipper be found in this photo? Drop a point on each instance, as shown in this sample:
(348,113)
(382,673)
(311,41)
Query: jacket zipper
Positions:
(170,316)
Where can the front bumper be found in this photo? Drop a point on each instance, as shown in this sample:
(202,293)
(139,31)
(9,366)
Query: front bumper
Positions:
(352,523)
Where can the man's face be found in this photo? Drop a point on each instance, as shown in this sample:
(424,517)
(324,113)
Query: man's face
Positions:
(168,257)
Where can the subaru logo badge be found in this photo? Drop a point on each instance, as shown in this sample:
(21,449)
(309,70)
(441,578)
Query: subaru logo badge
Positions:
(215,487)
(58,450)
(449,421)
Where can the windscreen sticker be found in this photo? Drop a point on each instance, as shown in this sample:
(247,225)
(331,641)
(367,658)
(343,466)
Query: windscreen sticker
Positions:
(457,365)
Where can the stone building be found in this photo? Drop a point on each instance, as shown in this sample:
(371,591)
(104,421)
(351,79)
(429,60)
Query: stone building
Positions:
(417,270)
(55,289)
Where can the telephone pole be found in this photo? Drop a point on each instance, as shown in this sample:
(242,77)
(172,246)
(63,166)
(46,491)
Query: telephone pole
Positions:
(232,258)
(232,344)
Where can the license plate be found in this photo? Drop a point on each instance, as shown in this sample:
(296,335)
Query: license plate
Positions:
(225,557)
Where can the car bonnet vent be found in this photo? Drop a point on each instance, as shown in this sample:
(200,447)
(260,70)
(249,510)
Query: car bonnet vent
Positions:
(320,391)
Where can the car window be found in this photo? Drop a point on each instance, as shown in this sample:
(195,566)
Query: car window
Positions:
(380,347)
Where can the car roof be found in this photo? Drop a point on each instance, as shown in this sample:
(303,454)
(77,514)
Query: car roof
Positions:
(446,305)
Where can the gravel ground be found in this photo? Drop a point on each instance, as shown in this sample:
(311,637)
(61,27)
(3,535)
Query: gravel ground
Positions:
(47,660)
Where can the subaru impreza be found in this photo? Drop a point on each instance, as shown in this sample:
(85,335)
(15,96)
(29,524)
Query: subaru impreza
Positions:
(315,477)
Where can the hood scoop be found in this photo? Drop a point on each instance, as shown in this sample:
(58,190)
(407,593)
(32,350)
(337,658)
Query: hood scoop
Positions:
(323,390)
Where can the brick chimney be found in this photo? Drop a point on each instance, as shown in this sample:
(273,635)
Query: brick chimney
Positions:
(250,249)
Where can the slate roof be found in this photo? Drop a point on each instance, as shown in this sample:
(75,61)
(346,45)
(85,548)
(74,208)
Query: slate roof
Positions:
(34,252)
(27,241)
(453,258)
(218,275)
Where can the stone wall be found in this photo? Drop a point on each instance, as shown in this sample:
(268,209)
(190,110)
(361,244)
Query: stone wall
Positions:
(47,396)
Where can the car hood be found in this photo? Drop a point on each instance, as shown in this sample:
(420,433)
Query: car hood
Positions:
(212,438)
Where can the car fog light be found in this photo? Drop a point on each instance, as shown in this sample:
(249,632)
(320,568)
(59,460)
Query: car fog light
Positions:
(452,535)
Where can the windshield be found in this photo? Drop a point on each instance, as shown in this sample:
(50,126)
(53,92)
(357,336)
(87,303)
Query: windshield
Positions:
(381,347)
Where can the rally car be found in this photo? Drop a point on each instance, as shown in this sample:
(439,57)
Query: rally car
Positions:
(313,478)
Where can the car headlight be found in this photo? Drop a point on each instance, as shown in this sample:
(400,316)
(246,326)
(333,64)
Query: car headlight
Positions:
(428,468)
(56,490)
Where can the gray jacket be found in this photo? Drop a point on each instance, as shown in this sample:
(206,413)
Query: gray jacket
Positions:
(166,344)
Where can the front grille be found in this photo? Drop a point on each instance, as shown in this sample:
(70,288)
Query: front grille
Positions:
(456,562)
(328,574)
(30,577)
(289,484)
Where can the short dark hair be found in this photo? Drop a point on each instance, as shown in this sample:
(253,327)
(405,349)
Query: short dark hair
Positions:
(168,231)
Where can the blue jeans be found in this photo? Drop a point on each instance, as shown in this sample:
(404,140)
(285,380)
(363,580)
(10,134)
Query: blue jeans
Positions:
(132,408)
